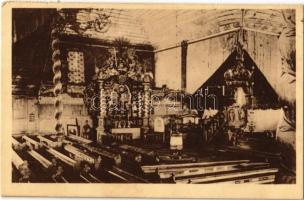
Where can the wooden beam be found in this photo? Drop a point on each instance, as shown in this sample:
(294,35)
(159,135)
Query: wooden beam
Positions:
(184,51)
(216,35)
(99,46)
(199,39)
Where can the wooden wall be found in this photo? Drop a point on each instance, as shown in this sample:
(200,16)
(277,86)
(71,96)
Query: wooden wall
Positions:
(168,68)
(25,115)
(206,56)
(203,60)
(31,117)
(264,50)
(69,115)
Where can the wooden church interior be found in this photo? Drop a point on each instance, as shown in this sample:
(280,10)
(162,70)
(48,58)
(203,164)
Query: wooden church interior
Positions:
(146,96)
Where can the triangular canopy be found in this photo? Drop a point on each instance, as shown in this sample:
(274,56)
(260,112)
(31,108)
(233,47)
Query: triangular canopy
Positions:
(266,97)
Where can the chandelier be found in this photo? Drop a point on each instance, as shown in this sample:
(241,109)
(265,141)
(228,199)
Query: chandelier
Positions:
(238,75)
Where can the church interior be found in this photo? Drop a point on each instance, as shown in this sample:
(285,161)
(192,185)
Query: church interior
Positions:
(152,96)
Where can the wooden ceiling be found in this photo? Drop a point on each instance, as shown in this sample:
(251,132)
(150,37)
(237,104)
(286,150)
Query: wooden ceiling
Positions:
(122,24)
(168,27)
(163,28)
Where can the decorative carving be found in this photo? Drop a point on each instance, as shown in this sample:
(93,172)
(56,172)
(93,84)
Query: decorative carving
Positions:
(102,112)
(45,90)
(91,98)
(97,20)
(75,90)
(115,74)
(148,77)
(124,63)
(57,79)
(238,75)
(76,67)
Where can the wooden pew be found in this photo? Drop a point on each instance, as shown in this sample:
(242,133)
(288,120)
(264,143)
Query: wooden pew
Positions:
(87,178)
(43,161)
(49,142)
(77,152)
(107,155)
(137,150)
(235,176)
(23,172)
(193,171)
(79,139)
(148,156)
(30,142)
(16,144)
(155,168)
(35,171)
(129,177)
(253,180)
(128,160)
(69,175)
(62,157)
(17,160)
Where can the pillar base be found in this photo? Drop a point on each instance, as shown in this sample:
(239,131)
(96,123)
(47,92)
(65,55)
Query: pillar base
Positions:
(100,131)
(146,122)
(100,134)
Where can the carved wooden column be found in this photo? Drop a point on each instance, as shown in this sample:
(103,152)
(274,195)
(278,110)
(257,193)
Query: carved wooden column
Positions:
(102,112)
(146,104)
(140,104)
(57,79)
(147,99)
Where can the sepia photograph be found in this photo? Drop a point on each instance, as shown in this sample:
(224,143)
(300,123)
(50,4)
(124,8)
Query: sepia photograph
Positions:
(139,95)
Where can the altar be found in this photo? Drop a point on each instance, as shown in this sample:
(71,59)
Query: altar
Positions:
(134,132)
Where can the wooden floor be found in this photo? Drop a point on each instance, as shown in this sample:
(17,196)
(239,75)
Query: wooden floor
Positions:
(151,163)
